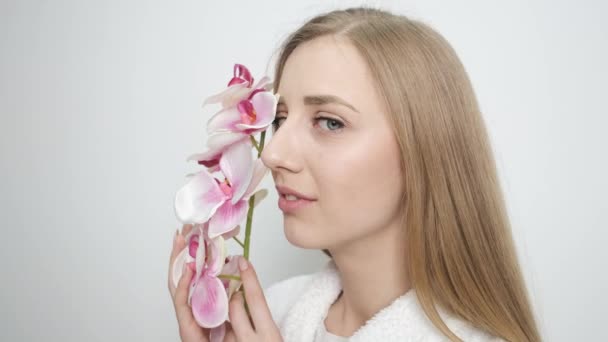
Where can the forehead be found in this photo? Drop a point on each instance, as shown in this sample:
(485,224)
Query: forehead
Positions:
(328,65)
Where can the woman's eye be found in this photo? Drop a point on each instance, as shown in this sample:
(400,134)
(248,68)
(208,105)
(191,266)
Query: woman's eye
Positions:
(331,124)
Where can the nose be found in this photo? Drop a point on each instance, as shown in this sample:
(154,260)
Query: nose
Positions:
(281,152)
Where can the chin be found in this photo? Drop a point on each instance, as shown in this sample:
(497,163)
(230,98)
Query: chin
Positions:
(301,235)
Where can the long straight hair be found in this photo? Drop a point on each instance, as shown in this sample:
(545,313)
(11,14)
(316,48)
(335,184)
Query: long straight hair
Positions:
(459,240)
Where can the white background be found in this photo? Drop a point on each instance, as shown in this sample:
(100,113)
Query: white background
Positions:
(100,105)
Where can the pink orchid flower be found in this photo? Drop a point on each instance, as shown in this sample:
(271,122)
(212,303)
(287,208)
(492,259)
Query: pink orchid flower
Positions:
(208,301)
(216,206)
(206,295)
(217,143)
(222,203)
(231,285)
(246,111)
(250,115)
(188,256)
(239,87)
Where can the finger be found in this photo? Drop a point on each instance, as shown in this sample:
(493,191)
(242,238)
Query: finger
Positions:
(238,318)
(186,228)
(189,330)
(230,336)
(182,309)
(254,295)
(179,243)
(174,252)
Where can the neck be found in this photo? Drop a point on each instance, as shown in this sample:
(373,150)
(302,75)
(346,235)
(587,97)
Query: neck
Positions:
(373,271)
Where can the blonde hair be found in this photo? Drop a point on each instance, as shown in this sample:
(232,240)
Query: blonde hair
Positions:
(461,251)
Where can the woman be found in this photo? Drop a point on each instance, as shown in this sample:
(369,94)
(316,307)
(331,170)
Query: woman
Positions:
(379,136)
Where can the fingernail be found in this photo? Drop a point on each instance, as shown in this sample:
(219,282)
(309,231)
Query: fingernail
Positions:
(243,264)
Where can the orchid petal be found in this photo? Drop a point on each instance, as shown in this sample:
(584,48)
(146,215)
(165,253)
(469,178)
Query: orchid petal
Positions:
(193,244)
(207,155)
(230,96)
(265,105)
(209,302)
(259,196)
(259,171)
(220,141)
(209,158)
(224,120)
(193,282)
(237,165)
(196,201)
(178,265)
(201,253)
(217,256)
(193,232)
(232,233)
(215,168)
(263,83)
(241,73)
(236,92)
(226,218)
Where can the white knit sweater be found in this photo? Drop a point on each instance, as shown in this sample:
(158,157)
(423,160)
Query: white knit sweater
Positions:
(300,304)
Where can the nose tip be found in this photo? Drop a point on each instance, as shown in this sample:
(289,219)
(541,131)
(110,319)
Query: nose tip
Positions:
(269,156)
(279,152)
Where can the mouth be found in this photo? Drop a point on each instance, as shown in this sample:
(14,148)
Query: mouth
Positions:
(292,195)
(290,203)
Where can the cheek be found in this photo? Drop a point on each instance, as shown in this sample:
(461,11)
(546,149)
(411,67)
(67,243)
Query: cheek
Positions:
(361,187)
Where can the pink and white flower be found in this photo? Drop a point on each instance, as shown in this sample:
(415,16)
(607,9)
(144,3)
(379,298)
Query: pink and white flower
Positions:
(250,115)
(222,203)
(217,143)
(216,206)
(246,110)
(207,294)
(239,87)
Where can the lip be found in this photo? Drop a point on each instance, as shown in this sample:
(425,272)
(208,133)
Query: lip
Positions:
(283,190)
(291,206)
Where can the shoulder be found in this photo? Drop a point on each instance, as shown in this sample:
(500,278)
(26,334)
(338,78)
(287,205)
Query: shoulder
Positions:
(281,295)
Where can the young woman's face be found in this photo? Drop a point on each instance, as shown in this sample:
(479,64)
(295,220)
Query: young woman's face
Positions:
(345,156)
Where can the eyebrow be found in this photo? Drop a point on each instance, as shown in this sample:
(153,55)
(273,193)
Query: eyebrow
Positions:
(323,99)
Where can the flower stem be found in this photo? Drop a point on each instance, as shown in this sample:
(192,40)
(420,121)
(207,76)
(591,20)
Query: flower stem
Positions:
(260,148)
(228,276)
(251,203)
(239,241)
(255,143)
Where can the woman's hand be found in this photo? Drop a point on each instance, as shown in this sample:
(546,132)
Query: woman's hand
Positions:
(189,330)
(241,328)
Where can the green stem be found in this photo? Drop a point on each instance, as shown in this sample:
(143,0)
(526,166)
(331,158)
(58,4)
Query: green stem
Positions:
(228,276)
(247,243)
(255,143)
(251,203)
(239,241)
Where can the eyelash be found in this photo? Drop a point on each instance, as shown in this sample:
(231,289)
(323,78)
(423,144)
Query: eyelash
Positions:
(275,123)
